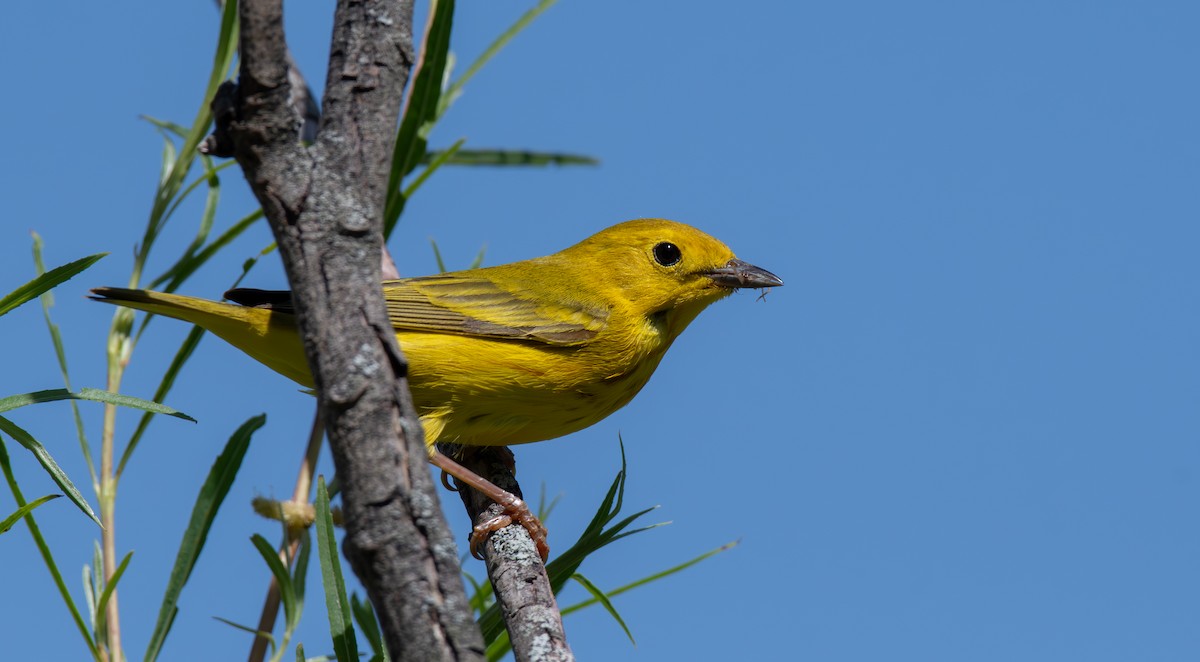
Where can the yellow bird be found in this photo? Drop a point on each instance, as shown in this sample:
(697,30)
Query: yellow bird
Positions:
(514,353)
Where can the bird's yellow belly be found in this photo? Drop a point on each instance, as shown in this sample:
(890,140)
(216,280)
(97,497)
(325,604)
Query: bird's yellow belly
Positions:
(503,392)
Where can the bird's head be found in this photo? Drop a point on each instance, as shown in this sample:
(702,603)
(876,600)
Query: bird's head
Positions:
(668,271)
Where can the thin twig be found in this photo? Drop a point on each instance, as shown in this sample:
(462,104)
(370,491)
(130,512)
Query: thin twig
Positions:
(287,551)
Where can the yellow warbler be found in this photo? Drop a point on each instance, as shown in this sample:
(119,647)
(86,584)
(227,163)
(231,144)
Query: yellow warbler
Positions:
(514,353)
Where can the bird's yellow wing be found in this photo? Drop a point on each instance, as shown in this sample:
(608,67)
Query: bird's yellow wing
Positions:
(469,305)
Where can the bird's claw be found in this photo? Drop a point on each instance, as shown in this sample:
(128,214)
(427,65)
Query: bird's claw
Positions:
(515,512)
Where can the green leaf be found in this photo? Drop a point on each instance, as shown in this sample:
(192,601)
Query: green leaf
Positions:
(110,586)
(187,268)
(179,130)
(341,626)
(287,591)
(364,615)
(598,533)
(44,458)
(208,502)
(600,597)
(247,628)
(7,522)
(61,354)
(421,110)
(46,282)
(508,157)
(95,395)
(652,578)
(433,166)
(176,163)
(44,550)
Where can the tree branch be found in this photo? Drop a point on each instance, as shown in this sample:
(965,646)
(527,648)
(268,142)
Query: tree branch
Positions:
(325,207)
(514,567)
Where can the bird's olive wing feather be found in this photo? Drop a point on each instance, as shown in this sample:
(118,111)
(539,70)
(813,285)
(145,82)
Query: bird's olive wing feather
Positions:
(475,306)
(467,305)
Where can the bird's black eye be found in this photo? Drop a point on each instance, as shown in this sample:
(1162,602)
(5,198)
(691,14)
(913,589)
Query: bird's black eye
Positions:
(667,254)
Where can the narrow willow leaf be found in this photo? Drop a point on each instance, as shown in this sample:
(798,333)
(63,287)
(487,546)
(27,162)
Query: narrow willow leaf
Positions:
(437,255)
(179,130)
(7,522)
(46,282)
(60,353)
(287,590)
(111,585)
(420,111)
(44,550)
(247,628)
(653,578)
(600,597)
(208,502)
(47,461)
(598,533)
(186,269)
(433,166)
(95,395)
(341,626)
(478,258)
(509,157)
(364,615)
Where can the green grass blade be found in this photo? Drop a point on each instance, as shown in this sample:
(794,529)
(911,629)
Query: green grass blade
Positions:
(509,157)
(44,550)
(47,461)
(600,597)
(8,522)
(208,502)
(421,110)
(46,282)
(341,626)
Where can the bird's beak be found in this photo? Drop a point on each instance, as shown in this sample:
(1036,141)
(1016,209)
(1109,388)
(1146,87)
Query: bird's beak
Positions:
(737,274)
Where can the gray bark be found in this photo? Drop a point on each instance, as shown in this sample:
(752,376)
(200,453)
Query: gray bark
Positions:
(324,204)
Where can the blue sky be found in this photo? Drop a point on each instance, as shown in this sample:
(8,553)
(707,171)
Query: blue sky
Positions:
(966,429)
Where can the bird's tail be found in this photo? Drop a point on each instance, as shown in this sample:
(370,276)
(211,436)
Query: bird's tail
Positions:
(268,336)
